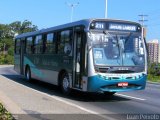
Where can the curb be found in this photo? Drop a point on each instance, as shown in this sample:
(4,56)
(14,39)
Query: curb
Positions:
(4,66)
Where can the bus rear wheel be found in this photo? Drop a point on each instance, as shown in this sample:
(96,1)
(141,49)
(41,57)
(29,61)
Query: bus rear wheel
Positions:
(65,84)
(28,74)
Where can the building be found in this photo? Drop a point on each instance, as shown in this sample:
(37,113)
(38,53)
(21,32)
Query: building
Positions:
(159,54)
(153,51)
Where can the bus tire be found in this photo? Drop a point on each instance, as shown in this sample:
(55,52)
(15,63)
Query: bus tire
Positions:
(109,93)
(65,84)
(28,74)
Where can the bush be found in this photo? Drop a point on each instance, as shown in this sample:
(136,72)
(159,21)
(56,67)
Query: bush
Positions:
(6,59)
(11,51)
(153,78)
(4,114)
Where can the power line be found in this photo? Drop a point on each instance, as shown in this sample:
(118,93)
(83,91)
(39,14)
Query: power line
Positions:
(154,18)
(154,12)
(154,25)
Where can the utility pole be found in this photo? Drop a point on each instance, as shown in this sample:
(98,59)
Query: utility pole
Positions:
(72,5)
(142,20)
(106,9)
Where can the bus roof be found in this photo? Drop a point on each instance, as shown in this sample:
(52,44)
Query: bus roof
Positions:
(85,22)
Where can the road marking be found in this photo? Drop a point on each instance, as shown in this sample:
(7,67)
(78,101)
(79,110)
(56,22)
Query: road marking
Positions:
(64,101)
(127,96)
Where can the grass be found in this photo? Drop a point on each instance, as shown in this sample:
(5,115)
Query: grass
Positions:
(4,114)
(153,78)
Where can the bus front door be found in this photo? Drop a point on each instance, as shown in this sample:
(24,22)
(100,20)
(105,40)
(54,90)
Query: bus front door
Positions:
(77,75)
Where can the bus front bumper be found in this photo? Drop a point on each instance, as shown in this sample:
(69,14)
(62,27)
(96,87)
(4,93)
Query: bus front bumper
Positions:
(98,84)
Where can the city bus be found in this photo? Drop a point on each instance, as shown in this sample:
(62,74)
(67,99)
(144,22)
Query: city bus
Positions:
(92,55)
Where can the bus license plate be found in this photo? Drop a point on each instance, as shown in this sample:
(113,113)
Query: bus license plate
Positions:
(124,84)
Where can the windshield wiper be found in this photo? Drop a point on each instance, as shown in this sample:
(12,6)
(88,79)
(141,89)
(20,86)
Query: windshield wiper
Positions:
(107,33)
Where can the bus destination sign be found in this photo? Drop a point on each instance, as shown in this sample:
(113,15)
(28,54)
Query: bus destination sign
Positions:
(115,26)
(123,27)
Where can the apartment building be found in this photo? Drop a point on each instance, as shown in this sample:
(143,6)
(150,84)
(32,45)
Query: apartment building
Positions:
(153,51)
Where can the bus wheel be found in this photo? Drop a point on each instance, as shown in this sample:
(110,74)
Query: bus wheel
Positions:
(65,84)
(28,74)
(109,93)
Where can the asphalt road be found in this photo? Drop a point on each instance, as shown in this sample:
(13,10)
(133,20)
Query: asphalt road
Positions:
(41,98)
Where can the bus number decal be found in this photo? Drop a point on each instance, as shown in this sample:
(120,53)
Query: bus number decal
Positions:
(99,25)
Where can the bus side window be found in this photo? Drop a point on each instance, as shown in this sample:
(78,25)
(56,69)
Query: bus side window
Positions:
(49,44)
(38,43)
(65,42)
(29,43)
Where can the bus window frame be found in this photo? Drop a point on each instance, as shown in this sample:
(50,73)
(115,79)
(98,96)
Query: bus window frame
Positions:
(52,43)
(30,45)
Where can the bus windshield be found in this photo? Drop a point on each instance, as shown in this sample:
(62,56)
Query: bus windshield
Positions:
(115,49)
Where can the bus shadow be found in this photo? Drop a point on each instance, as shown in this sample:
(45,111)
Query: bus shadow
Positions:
(54,90)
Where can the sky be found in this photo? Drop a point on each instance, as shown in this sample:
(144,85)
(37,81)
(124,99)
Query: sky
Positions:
(49,13)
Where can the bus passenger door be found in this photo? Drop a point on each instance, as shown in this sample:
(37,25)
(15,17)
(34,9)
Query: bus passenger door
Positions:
(77,75)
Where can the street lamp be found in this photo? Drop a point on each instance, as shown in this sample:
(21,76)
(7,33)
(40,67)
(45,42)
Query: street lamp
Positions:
(106,9)
(72,8)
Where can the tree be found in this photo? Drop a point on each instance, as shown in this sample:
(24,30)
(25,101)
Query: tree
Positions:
(4,31)
(7,33)
(22,27)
